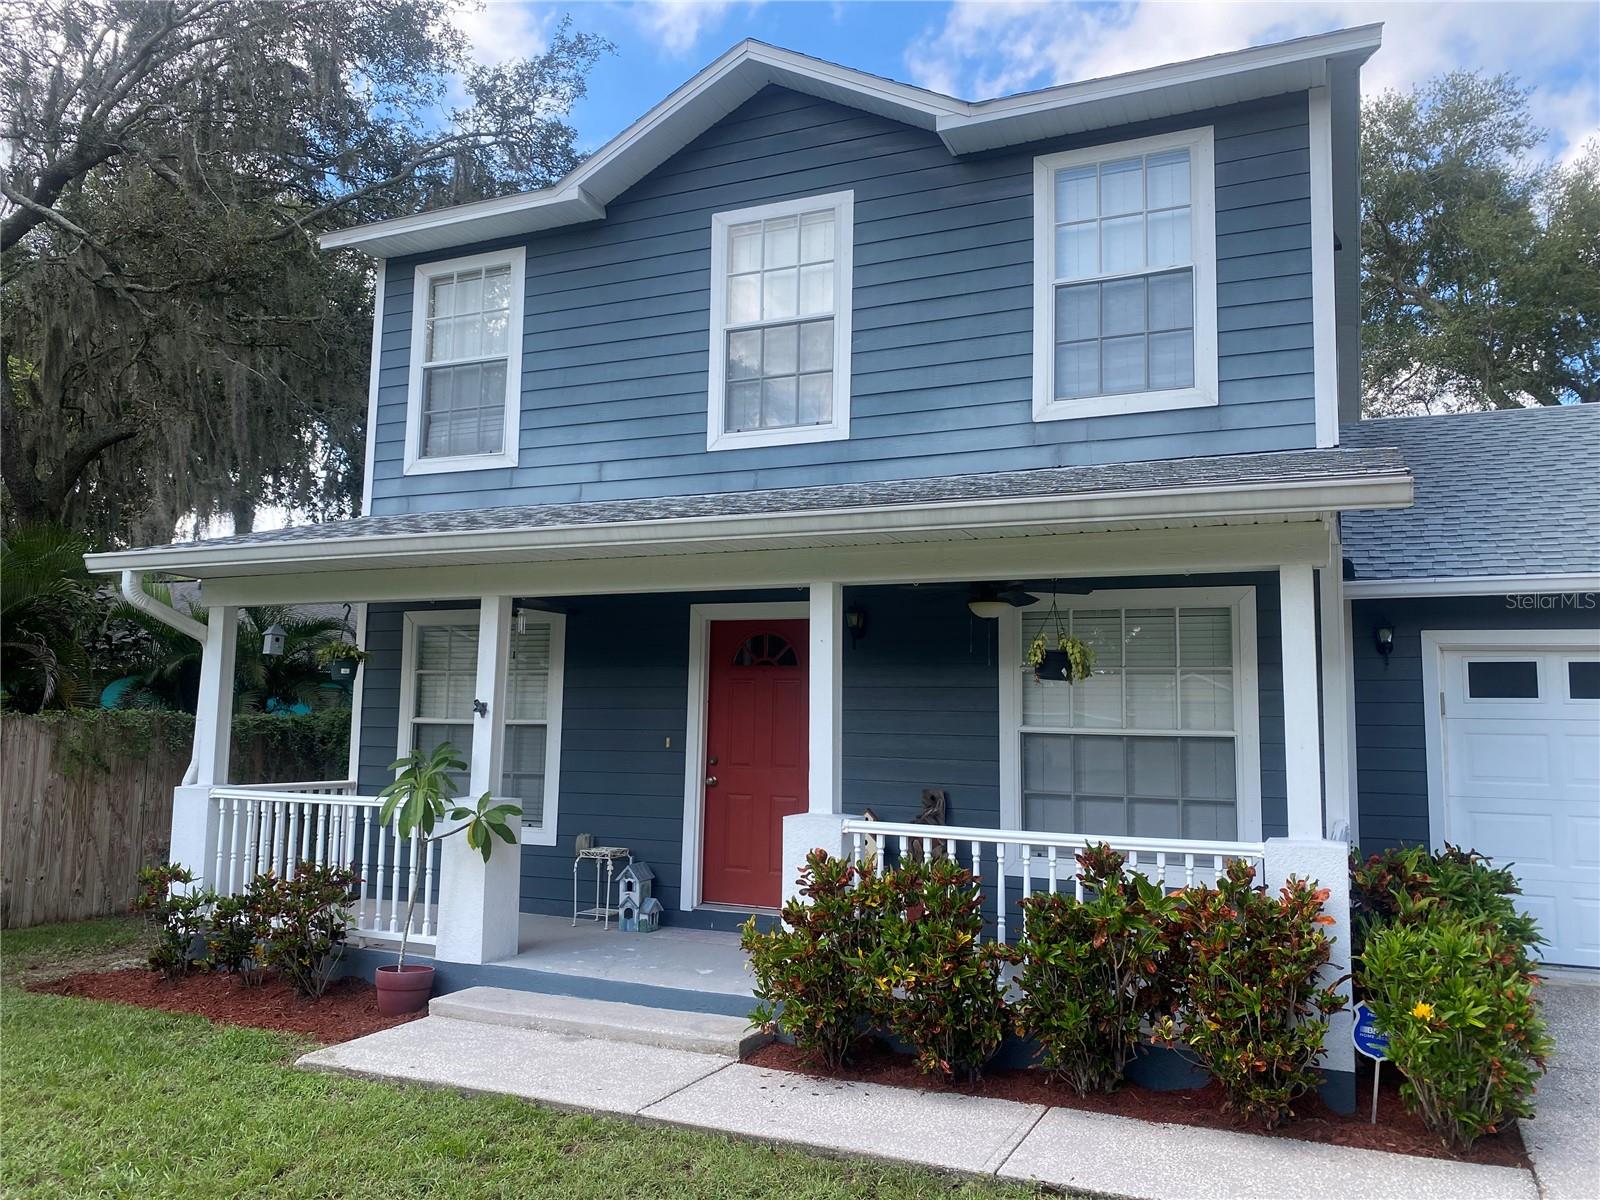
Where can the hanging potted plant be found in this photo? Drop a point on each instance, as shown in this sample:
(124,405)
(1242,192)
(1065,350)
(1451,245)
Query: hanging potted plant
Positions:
(340,659)
(415,803)
(1068,661)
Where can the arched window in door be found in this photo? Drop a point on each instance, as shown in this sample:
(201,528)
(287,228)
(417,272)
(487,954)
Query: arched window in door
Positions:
(766,650)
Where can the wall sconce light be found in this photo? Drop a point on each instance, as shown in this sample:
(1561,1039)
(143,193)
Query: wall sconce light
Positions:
(855,623)
(1383,638)
(274,641)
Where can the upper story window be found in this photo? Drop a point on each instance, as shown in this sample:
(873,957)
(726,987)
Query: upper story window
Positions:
(466,364)
(1125,313)
(780,323)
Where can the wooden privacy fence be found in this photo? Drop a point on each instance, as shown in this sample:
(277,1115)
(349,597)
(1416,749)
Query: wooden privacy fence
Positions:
(74,833)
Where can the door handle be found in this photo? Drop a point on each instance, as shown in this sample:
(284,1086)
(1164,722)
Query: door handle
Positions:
(711,781)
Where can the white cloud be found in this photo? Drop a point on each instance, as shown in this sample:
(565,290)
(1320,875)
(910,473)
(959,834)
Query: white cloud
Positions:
(500,30)
(995,48)
(677,25)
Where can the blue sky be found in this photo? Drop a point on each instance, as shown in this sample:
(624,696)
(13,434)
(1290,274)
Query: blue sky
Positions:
(981,48)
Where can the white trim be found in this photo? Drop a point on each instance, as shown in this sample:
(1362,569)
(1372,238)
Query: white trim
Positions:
(1203,261)
(357,695)
(415,464)
(213,713)
(718,437)
(1324,317)
(1241,599)
(825,698)
(1436,643)
(694,740)
(380,275)
(1302,720)
(415,619)
(963,126)
(1183,506)
(1469,585)
(1352,738)
(1338,730)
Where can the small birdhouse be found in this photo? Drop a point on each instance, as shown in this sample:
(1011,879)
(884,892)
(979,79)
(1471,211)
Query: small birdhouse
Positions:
(628,915)
(649,916)
(634,881)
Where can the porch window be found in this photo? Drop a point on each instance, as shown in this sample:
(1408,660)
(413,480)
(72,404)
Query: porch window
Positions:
(440,682)
(465,364)
(1125,267)
(1160,741)
(780,323)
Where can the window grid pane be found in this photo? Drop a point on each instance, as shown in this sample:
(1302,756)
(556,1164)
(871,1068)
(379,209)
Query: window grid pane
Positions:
(779,350)
(465,353)
(1130,218)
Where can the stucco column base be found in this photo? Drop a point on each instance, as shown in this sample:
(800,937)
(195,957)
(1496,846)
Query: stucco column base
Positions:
(1328,864)
(479,902)
(803,833)
(195,825)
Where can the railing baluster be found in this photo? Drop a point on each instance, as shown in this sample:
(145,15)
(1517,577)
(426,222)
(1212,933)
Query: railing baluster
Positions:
(856,848)
(1000,893)
(394,877)
(292,843)
(1050,856)
(382,850)
(427,889)
(217,880)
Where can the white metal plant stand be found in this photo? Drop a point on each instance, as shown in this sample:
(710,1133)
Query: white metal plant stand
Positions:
(606,857)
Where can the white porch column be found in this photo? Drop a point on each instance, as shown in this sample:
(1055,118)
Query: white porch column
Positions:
(826,665)
(1302,736)
(478,901)
(194,818)
(1338,732)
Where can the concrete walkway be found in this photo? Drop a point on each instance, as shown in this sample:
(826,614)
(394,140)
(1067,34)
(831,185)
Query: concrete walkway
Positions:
(1563,1140)
(1061,1147)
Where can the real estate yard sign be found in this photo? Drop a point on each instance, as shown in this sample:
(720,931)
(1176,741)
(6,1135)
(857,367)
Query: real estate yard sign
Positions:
(1374,1043)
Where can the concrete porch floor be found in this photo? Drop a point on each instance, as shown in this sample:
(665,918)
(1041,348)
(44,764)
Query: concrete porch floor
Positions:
(696,960)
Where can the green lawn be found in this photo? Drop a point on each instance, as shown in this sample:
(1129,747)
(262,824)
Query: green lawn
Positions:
(105,1100)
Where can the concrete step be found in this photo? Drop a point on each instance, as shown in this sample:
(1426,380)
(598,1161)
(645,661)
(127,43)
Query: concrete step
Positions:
(606,1020)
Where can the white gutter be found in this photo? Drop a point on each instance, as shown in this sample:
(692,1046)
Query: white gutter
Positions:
(133,592)
(1182,506)
(1469,585)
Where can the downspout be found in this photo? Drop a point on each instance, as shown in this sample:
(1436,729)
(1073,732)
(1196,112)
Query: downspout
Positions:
(133,592)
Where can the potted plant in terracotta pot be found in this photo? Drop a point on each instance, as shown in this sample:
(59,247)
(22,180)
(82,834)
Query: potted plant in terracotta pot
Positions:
(417,802)
(340,660)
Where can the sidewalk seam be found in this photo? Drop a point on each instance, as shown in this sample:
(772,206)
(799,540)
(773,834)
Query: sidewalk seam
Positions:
(1043,1112)
(639,1112)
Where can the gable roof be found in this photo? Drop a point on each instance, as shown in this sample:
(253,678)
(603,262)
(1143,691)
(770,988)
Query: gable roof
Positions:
(964,126)
(1498,494)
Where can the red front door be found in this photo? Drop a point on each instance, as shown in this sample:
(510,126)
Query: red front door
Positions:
(755,757)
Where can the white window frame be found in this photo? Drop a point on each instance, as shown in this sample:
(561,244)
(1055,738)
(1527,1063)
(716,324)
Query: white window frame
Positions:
(415,463)
(543,834)
(718,436)
(1203,250)
(1246,695)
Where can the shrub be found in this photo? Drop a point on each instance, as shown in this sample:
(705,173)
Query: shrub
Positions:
(1456,998)
(1411,883)
(237,929)
(1253,1011)
(307,920)
(809,981)
(1092,969)
(174,913)
(938,987)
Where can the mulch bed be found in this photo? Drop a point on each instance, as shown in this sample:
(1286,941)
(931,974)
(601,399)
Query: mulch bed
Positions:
(1397,1130)
(348,1009)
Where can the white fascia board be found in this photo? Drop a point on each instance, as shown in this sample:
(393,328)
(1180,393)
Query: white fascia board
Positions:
(964,126)
(1469,585)
(687,535)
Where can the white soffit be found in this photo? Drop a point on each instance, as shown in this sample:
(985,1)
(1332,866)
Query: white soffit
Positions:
(964,127)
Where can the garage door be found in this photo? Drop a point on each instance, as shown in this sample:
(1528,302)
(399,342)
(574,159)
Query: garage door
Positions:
(1521,772)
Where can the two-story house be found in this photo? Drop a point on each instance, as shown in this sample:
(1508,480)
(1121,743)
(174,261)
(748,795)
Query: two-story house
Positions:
(716,493)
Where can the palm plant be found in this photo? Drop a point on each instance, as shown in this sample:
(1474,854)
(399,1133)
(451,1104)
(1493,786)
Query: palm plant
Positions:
(421,797)
(46,603)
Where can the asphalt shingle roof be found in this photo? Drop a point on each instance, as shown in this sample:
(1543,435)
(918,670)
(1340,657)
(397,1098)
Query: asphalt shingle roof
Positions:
(1225,471)
(1513,492)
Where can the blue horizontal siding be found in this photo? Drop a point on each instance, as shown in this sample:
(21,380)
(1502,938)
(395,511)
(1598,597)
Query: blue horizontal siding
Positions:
(920,710)
(1392,712)
(614,345)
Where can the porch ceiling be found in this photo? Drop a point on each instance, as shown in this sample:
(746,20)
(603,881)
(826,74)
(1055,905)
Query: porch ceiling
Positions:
(1184,494)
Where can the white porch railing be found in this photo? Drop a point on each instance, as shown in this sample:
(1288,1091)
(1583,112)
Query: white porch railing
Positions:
(1045,861)
(276,827)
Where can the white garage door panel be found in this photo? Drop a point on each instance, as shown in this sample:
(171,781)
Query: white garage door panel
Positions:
(1521,782)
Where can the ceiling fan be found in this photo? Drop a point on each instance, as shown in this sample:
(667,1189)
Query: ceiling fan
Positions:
(991,600)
